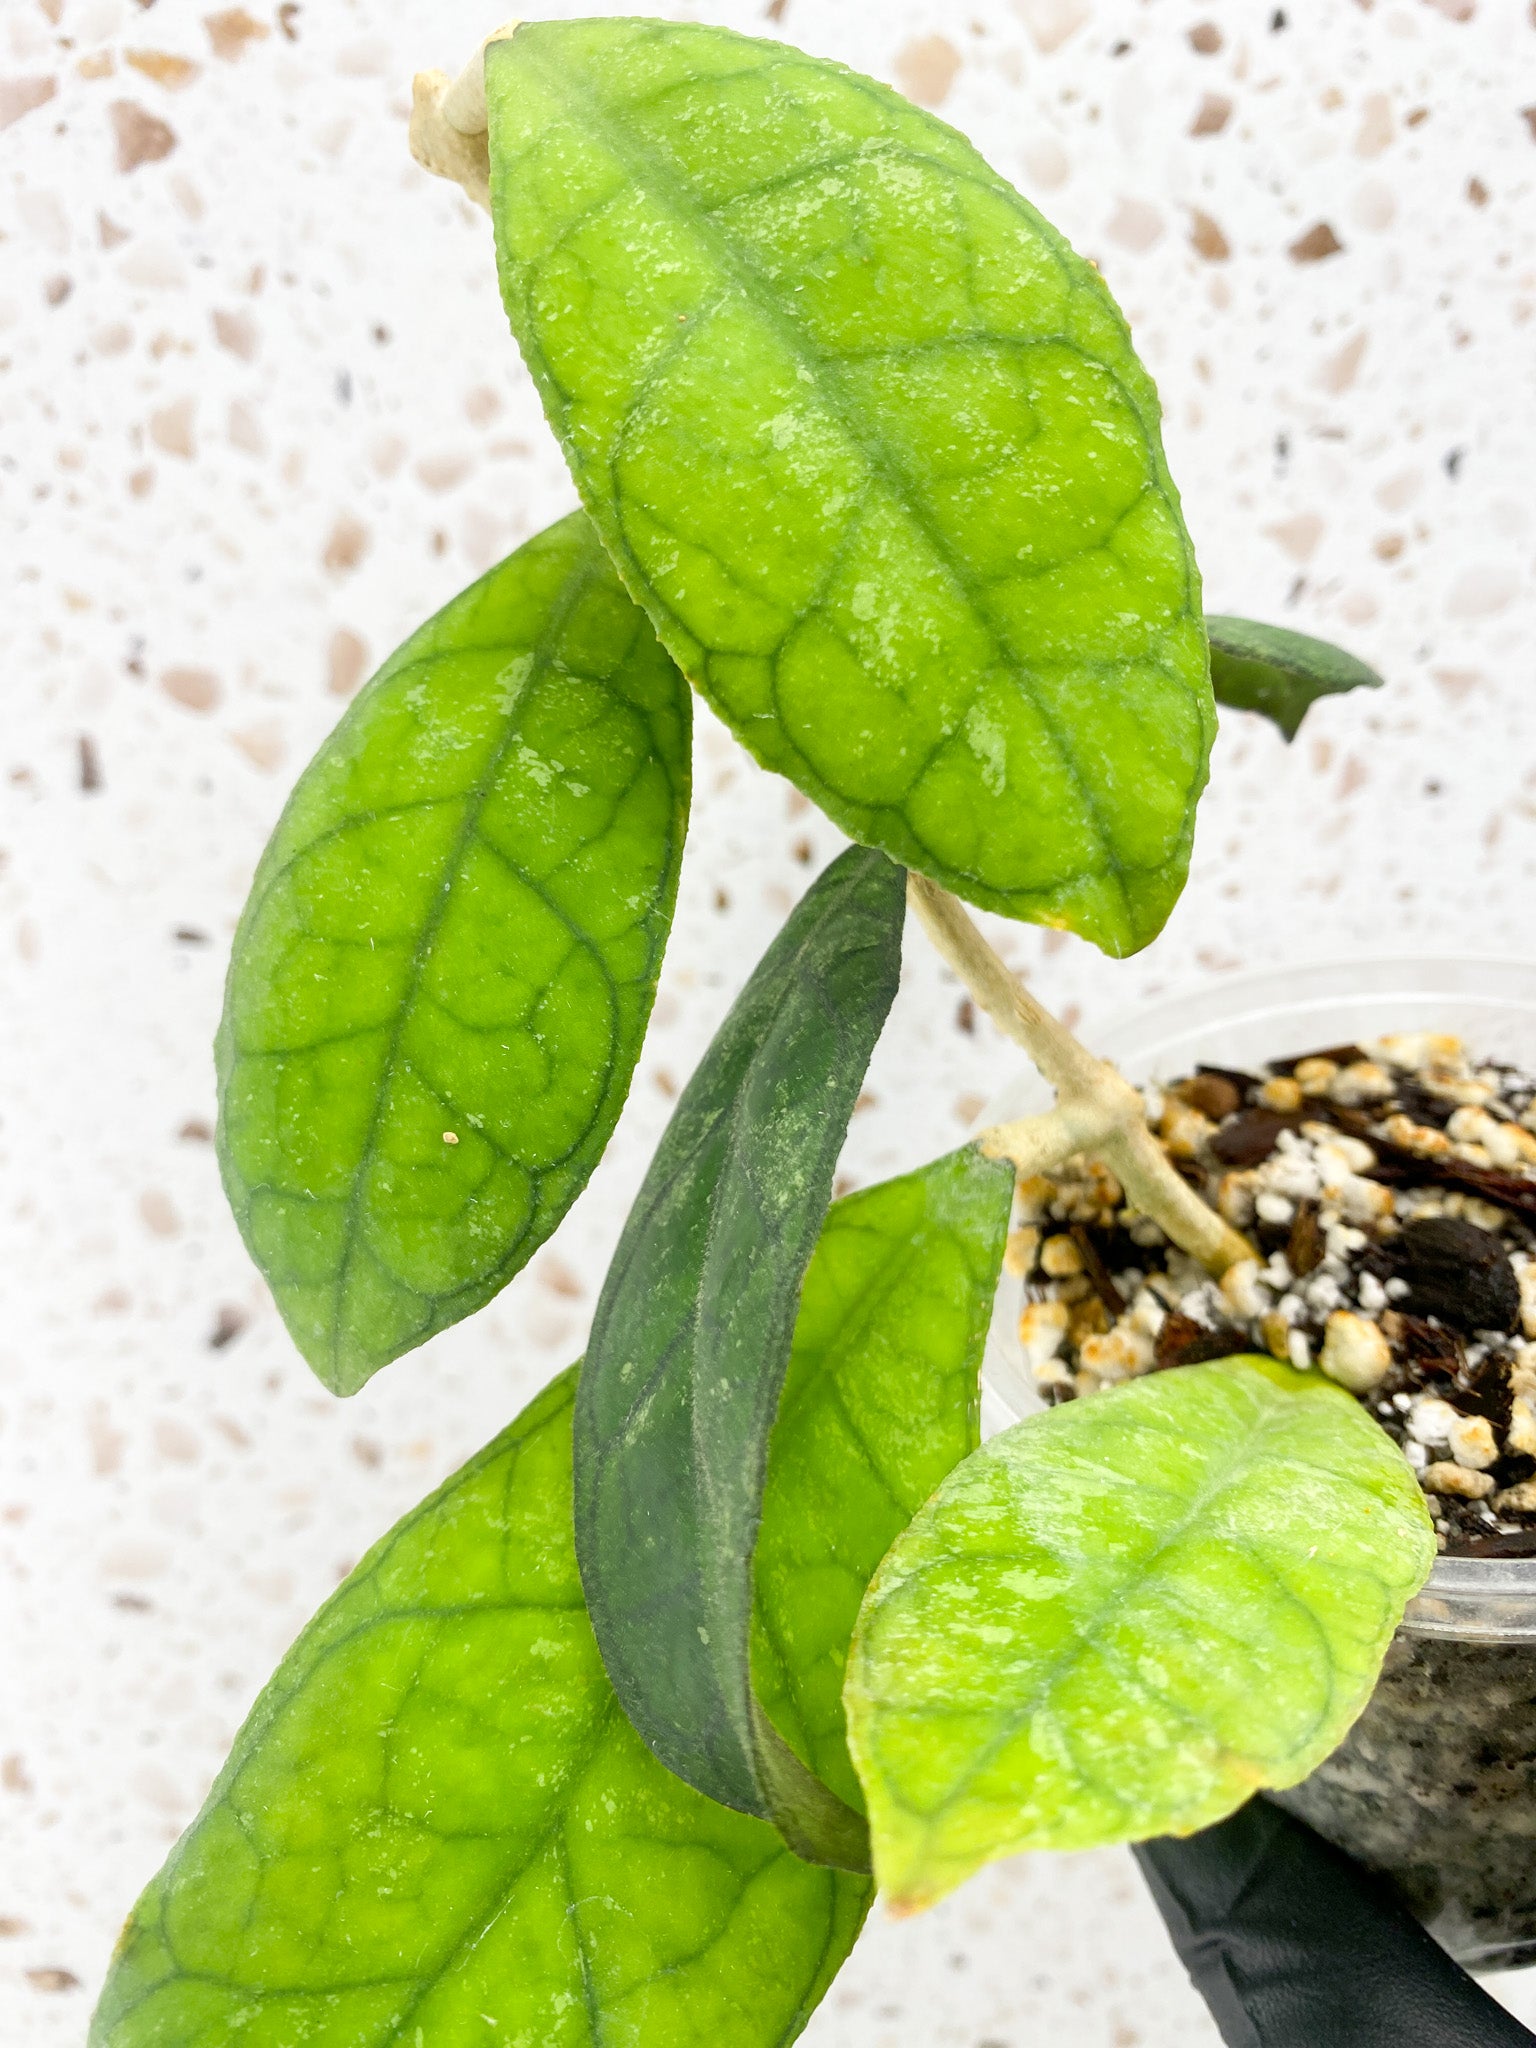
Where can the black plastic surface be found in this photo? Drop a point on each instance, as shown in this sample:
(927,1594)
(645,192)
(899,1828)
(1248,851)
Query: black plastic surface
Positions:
(1292,1945)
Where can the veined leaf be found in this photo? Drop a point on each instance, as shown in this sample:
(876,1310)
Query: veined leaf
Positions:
(871,445)
(1280,673)
(438,1830)
(879,1403)
(442,978)
(437,1817)
(1121,1617)
(691,1339)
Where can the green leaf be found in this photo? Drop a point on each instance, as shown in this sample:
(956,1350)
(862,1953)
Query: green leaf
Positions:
(691,1339)
(879,1403)
(871,445)
(1123,1616)
(443,976)
(1282,674)
(438,1816)
(437,1829)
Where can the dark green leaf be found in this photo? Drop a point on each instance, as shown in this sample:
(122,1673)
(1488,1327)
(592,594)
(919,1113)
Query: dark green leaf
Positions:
(1123,1616)
(879,1403)
(690,1343)
(1270,669)
(440,984)
(437,1829)
(872,446)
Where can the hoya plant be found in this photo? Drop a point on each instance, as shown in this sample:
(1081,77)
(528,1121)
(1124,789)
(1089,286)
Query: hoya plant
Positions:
(614,1737)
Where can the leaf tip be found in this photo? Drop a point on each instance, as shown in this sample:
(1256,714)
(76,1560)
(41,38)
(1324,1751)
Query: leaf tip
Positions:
(333,1354)
(907,1906)
(921,1885)
(911,1890)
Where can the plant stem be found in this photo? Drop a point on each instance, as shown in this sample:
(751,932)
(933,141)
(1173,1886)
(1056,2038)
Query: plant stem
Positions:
(448,123)
(1143,1169)
(1064,1063)
(1097,1110)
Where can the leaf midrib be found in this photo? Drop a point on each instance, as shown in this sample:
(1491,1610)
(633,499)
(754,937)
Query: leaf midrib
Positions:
(543,654)
(372,814)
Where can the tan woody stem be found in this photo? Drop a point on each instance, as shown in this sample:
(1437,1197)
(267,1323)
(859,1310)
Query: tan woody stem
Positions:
(1097,1110)
(1142,1168)
(448,123)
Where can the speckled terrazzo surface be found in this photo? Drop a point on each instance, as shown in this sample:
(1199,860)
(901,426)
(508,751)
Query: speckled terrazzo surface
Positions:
(261,415)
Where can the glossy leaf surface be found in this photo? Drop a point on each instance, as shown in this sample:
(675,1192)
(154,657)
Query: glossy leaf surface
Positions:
(691,1339)
(879,1403)
(1121,1617)
(871,445)
(1282,674)
(438,1830)
(443,976)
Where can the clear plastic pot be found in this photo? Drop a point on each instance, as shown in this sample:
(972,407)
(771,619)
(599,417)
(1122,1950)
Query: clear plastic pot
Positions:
(1435,1785)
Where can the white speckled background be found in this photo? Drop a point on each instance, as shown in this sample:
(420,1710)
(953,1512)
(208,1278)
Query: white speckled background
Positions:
(261,415)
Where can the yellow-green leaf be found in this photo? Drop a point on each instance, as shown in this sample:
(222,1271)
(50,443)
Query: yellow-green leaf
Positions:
(870,443)
(437,1829)
(441,981)
(1124,1615)
(880,1401)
